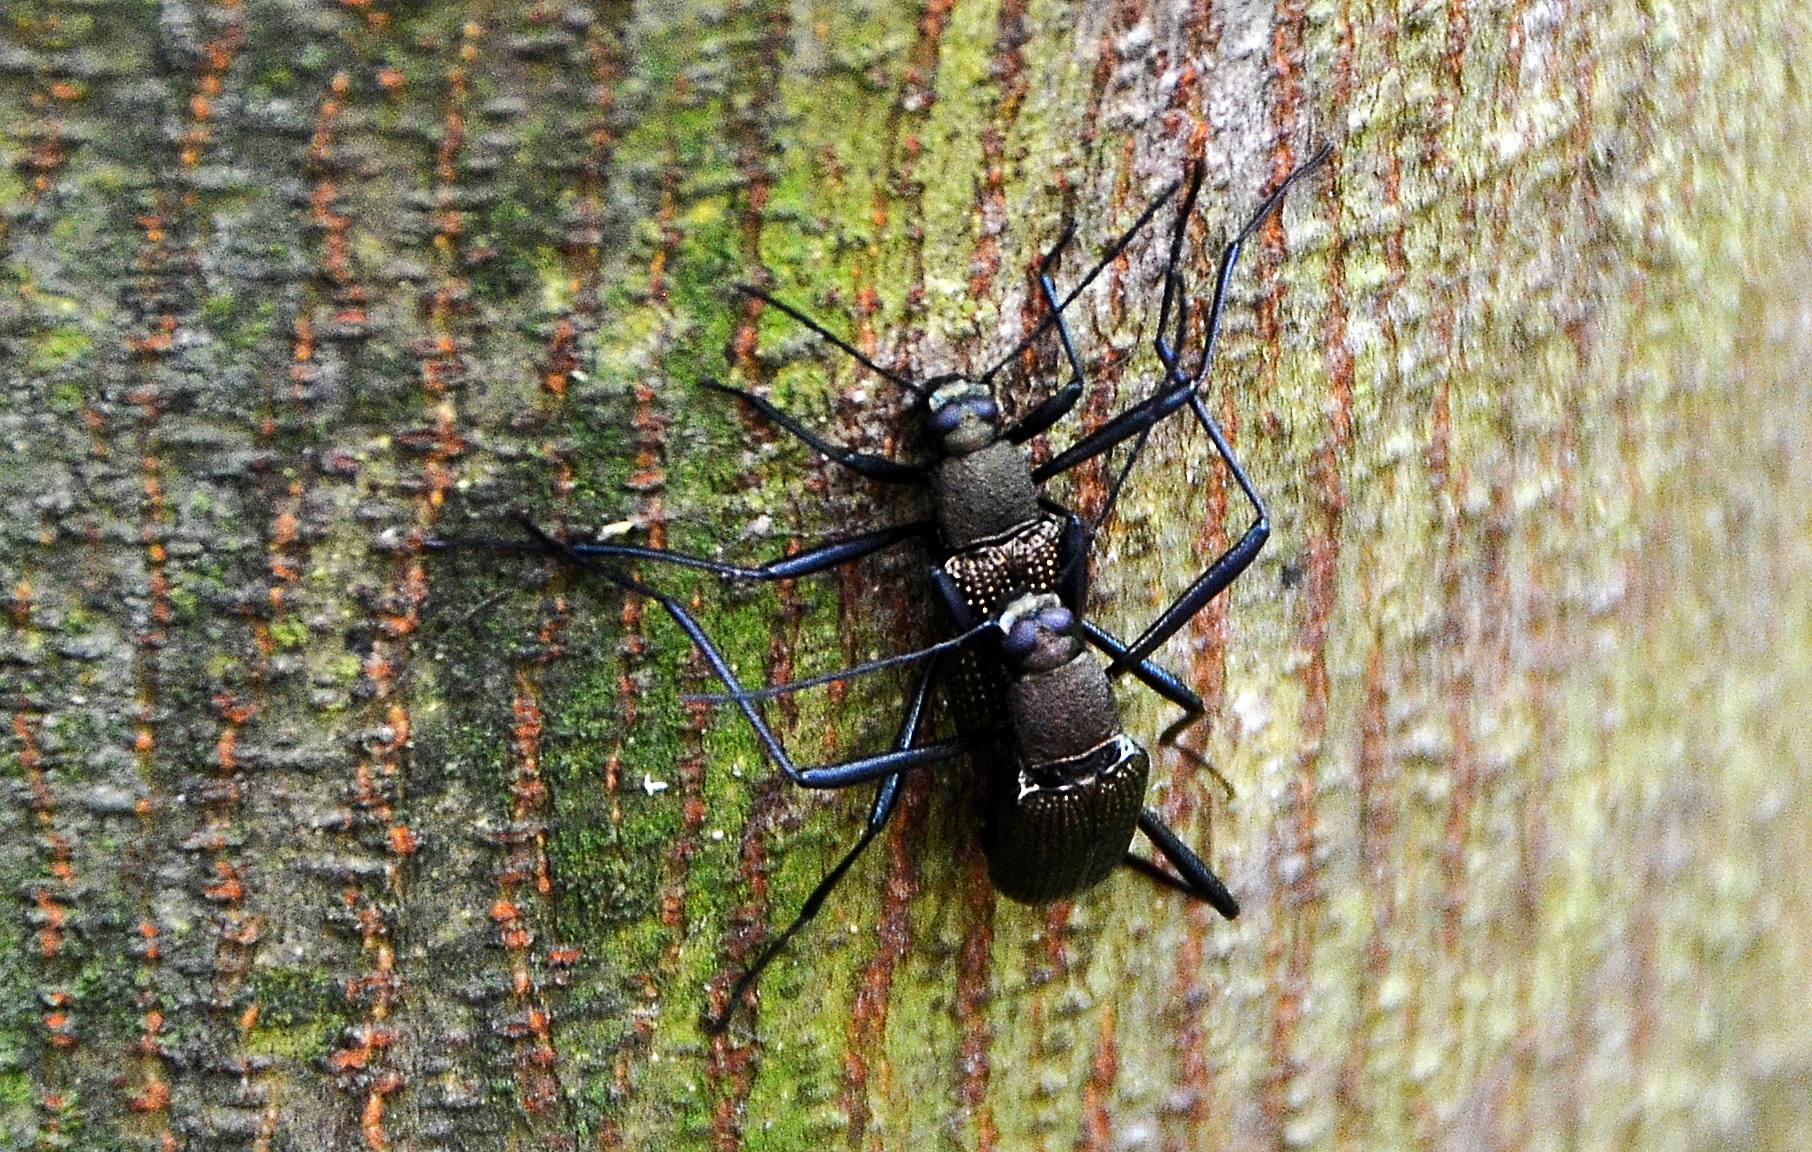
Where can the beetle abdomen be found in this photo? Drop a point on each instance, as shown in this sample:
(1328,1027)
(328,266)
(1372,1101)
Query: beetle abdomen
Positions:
(1054,830)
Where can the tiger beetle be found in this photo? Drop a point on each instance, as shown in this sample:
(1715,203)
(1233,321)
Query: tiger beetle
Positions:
(1064,784)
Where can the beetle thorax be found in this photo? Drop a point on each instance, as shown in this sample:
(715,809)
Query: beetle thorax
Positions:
(1059,697)
(984,493)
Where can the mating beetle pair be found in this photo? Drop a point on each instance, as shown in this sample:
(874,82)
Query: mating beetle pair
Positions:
(1063,783)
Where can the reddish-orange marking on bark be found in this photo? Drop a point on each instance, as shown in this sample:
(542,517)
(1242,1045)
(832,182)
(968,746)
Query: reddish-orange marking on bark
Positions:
(148,348)
(560,359)
(1104,1067)
(48,150)
(1208,668)
(379,777)
(1376,785)
(57,1024)
(1208,675)
(153,1097)
(650,426)
(1291,950)
(1463,767)
(52,901)
(1088,482)
(524,876)
(973,969)
(1007,71)
(1459,29)
(1290,946)
(1102,77)
(1194,1077)
(1377,801)
(730,1067)
(868,1012)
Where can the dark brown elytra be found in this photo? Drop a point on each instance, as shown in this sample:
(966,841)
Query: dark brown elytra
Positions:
(1063,785)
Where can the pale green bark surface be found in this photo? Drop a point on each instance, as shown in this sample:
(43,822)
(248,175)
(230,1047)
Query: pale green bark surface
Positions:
(313,840)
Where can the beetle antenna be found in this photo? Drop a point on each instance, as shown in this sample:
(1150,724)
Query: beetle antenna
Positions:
(834,340)
(1108,257)
(849,673)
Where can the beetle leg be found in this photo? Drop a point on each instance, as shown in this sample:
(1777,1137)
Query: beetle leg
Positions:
(834,340)
(1197,879)
(1180,386)
(1072,558)
(1230,256)
(820,559)
(1153,676)
(886,797)
(861,463)
(1107,257)
(840,775)
(1230,564)
(1139,421)
(1056,406)
(1166,684)
(1225,569)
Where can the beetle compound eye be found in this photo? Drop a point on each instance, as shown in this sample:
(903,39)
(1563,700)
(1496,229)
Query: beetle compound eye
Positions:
(1058,619)
(1019,639)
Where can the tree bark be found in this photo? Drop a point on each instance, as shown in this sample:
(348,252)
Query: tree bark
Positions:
(317,840)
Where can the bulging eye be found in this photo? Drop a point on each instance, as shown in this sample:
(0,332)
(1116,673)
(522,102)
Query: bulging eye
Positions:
(1019,639)
(945,419)
(1058,620)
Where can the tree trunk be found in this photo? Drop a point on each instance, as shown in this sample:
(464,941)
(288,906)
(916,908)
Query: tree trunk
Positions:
(318,840)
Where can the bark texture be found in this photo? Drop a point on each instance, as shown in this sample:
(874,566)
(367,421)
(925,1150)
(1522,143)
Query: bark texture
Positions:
(312,840)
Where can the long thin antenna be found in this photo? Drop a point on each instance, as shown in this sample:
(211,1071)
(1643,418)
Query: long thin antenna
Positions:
(834,340)
(1113,252)
(849,673)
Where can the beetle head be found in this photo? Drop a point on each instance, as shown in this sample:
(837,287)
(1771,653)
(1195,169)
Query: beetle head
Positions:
(1038,633)
(962,415)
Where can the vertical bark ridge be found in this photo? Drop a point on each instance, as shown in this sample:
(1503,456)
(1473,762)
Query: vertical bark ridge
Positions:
(913,846)
(751,129)
(842,166)
(579,60)
(1115,190)
(388,820)
(1191,1099)
(52,895)
(1295,861)
(1006,72)
(163,299)
(285,769)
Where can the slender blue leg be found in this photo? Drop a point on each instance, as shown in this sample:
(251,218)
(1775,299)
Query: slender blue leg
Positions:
(823,558)
(840,775)
(1197,879)
(886,797)
(861,463)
